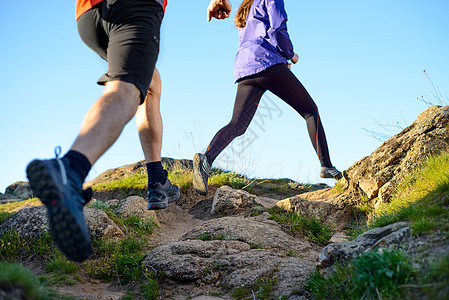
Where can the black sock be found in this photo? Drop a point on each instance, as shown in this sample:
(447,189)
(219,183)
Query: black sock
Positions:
(78,163)
(156,173)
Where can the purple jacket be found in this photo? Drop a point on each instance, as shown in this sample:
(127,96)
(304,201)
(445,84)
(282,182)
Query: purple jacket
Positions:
(264,41)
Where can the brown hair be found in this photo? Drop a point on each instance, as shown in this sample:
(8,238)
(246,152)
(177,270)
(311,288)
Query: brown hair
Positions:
(242,13)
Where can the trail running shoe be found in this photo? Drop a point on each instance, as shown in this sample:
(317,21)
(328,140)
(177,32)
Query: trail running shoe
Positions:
(159,195)
(331,172)
(201,173)
(60,189)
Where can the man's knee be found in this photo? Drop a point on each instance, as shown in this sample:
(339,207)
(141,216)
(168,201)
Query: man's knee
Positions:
(156,84)
(121,90)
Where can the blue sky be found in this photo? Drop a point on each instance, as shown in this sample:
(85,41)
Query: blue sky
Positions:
(362,62)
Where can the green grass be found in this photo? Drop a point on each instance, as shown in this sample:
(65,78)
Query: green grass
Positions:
(141,227)
(13,247)
(435,279)
(234,180)
(312,227)
(59,264)
(4,216)
(137,181)
(372,275)
(182,177)
(263,288)
(19,283)
(117,260)
(422,199)
(150,288)
(206,236)
(283,186)
(8,207)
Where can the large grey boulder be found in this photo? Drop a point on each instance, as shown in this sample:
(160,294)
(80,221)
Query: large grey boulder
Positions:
(237,252)
(32,222)
(20,189)
(229,263)
(268,235)
(28,222)
(393,235)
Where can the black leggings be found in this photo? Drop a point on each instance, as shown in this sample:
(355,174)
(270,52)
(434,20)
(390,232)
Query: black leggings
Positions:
(282,82)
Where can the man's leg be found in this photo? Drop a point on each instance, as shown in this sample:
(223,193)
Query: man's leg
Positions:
(149,121)
(149,125)
(106,119)
(58,182)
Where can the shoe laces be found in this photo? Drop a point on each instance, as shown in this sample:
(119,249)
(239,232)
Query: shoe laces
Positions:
(205,166)
(61,165)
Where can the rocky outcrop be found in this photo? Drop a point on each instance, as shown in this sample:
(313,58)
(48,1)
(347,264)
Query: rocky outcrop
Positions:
(236,252)
(393,235)
(377,175)
(20,190)
(231,264)
(228,241)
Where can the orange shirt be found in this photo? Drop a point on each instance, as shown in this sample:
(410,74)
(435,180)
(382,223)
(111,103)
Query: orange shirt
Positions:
(84,5)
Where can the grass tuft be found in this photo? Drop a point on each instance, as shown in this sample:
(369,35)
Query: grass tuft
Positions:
(16,282)
(372,275)
(312,227)
(119,260)
(421,198)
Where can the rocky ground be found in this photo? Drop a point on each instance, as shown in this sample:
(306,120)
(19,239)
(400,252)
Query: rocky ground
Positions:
(209,246)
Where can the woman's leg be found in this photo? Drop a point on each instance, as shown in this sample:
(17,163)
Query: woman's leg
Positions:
(245,106)
(283,83)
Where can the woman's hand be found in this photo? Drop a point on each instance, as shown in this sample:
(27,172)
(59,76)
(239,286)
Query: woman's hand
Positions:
(218,9)
(295,58)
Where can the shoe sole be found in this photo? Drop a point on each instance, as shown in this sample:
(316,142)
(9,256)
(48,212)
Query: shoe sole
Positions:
(329,176)
(64,229)
(199,185)
(157,205)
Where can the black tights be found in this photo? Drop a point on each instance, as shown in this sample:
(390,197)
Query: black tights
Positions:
(283,83)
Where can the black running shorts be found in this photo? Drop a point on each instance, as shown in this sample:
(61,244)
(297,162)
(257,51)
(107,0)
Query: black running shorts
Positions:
(126,34)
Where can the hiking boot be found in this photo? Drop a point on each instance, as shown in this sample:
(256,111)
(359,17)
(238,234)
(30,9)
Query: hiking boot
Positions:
(331,172)
(159,195)
(201,173)
(60,189)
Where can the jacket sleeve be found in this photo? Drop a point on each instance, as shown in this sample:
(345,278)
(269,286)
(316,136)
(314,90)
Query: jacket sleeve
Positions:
(278,28)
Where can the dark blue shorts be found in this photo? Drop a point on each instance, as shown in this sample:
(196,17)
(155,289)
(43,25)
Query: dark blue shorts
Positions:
(126,34)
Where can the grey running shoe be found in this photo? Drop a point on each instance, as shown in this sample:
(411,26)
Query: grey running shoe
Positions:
(159,195)
(331,172)
(201,173)
(60,189)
